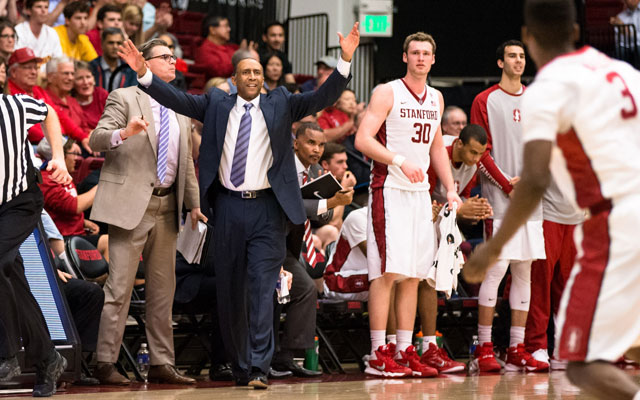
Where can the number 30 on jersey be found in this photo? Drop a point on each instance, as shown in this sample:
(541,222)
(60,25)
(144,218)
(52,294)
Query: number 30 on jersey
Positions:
(422,134)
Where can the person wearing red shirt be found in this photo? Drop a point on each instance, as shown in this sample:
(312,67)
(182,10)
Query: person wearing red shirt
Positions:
(23,72)
(90,97)
(215,52)
(61,75)
(338,121)
(63,203)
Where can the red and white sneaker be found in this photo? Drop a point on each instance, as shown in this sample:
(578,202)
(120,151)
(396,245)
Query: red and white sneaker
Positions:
(384,365)
(485,359)
(438,358)
(410,358)
(518,359)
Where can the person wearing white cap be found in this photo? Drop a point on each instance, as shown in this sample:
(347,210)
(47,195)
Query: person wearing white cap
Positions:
(325,66)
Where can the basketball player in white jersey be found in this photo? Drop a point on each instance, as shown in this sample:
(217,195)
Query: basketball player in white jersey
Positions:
(498,110)
(581,118)
(464,153)
(401,133)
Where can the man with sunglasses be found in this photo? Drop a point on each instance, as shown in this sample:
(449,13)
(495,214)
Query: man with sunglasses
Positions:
(147,176)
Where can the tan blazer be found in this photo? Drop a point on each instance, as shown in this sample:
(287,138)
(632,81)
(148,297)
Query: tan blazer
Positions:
(128,175)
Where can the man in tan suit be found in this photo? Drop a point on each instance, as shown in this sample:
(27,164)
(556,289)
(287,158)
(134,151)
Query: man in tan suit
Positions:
(147,175)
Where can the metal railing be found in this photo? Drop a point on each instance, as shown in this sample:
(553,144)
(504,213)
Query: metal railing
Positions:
(617,41)
(362,68)
(307,38)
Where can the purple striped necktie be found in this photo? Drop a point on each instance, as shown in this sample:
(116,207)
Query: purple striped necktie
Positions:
(239,164)
(163,143)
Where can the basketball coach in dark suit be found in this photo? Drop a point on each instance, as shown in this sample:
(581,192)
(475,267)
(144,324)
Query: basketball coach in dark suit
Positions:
(248,179)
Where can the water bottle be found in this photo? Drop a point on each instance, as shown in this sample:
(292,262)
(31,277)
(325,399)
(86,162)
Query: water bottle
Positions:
(419,343)
(282,288)
(143,361)
(472,366)
(311,356)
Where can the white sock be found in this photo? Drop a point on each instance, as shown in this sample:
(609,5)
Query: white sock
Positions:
(637,395)
(404,339)
(516,336)
(391,339)
(429,339)
(377,340)
(484,333)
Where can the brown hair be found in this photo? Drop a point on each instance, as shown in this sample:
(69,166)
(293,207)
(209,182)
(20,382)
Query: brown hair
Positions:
(418,37)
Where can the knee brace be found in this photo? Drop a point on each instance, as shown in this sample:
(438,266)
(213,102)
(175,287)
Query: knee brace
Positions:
(489,287)
(520,295)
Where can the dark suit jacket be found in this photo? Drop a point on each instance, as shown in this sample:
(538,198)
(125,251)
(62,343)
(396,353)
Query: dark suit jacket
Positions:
(280,109)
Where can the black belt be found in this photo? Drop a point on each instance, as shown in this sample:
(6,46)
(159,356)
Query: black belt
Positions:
(160,192)
(246,194)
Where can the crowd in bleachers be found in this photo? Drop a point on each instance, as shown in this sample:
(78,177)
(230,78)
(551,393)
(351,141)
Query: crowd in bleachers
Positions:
(66,54)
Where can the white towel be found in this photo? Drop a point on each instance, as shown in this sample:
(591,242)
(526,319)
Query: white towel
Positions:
(443,274)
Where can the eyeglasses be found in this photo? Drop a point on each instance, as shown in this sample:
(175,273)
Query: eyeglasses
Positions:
(12,36)
(165,57)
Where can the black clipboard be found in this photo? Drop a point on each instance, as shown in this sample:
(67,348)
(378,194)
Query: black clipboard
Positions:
(324,187)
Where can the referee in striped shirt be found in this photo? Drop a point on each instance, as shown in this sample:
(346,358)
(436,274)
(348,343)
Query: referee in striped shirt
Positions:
(20,204)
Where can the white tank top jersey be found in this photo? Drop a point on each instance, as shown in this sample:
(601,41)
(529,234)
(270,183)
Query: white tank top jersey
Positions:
(462,175)
(409,131)
(504,116)
(587,104)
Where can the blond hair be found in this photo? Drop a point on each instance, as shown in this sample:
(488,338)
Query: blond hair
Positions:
(130,13)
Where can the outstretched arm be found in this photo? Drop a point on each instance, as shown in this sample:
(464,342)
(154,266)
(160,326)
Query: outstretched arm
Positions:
(183,103)
(535,179)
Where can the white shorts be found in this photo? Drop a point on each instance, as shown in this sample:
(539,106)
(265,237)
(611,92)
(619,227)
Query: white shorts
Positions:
(526,244)
(597,319)
(400,235)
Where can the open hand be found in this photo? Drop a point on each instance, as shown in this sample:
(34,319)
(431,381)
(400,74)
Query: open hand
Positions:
(130,54)
(350,43)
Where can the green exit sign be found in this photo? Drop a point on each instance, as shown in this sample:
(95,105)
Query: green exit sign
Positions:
(376,25)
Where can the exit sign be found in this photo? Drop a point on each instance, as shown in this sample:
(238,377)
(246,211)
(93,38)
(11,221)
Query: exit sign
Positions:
(376,25)
(376,17)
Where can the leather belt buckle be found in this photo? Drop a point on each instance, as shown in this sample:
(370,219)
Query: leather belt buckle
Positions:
(249,194)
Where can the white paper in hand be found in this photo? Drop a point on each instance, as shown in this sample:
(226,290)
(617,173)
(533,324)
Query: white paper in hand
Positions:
(191,242)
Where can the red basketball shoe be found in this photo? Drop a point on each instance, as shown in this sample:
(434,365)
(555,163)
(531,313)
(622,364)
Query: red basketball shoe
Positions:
(485,359)
(438,358)
(518,359)
(382,364)
(409,358)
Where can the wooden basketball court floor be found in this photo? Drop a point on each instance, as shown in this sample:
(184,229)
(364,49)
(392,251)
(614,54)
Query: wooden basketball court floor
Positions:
(518,386)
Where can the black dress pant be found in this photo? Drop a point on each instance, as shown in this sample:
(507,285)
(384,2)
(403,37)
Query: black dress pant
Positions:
(300,324)
(20,314)
(85,301)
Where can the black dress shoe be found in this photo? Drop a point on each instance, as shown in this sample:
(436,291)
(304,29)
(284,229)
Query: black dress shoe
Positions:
(258,380)
(9,368)
(274,374)
(86,380)
(242,381)
(297,370)
(220,372)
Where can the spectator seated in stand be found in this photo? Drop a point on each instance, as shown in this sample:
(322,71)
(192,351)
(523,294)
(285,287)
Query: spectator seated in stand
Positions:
(109,16)
(273,39)
(346,276)
(219,83)
(61,79)
(90,97)
(453,120)
(216,51)
(7,38)
(109,71)
(162,20)
(34,34)
(23,74)
(132,23)
(338,121)
(324,67)
(630,15)
(65,206)
(72,34)
(273,72)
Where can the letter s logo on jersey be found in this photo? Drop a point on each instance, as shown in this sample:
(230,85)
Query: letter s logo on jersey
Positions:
(516,115)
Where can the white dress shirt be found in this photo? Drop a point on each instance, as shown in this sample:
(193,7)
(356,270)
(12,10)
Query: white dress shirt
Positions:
(173,152)
(259,157)
(300,169)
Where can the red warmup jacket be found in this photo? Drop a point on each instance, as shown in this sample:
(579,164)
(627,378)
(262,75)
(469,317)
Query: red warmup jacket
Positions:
(61,202)
(69,127)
